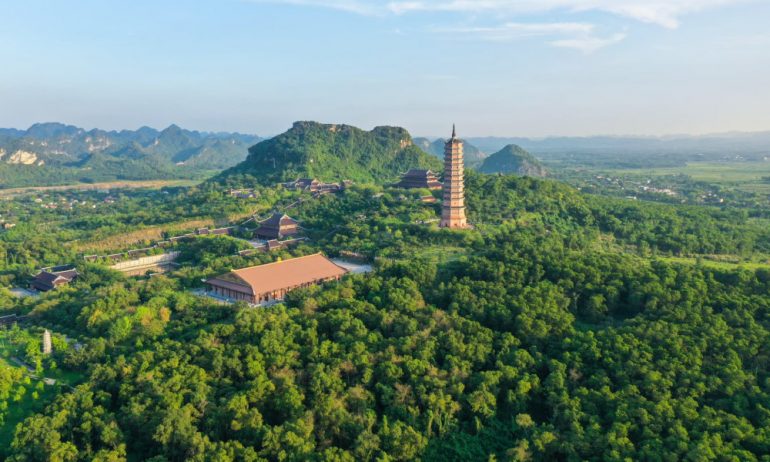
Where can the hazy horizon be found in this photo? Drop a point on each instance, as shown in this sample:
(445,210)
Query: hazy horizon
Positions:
(496,68)
(414,135)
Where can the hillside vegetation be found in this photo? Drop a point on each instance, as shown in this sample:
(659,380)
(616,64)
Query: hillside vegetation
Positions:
(332,152)
(513,159)
(54,153)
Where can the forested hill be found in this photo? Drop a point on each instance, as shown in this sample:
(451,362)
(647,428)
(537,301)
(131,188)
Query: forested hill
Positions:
(560,328)
(513,159)
(55,153)
(332,152)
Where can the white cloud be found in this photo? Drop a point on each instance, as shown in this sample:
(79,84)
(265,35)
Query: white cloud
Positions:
(575,35)
(666,13)
(588,44)
(512,30)
(363,7)
(579,36)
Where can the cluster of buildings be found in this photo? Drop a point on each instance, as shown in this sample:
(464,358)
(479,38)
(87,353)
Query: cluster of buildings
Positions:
(264,284)
(244,193)
(453,188)
(315,186)
(70,204)
(271,282)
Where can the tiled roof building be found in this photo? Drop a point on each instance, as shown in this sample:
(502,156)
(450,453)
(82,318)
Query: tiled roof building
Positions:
(416,178)
(52,278)
(266,283)
(278,226)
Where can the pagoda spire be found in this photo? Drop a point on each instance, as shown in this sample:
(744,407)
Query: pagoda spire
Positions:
(453,206)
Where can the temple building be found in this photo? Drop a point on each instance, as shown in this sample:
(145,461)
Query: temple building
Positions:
(416,178)
(52,278)
(453,206)
(315,186)
(277,226)
(271,282)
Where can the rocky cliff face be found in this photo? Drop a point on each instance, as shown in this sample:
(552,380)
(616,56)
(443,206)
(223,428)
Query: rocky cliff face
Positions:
(22,158)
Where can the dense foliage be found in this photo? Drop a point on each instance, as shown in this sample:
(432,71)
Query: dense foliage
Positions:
(553,331)
(529,349)
(512,159)
(331,153)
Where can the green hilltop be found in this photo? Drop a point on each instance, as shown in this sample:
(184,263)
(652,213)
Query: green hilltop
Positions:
(331,152)
(513,159)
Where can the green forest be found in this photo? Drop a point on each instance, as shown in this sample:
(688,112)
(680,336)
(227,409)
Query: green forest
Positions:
(331,152)
(565,326)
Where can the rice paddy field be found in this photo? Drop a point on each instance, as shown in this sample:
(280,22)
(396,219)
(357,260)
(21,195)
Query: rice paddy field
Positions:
(746,176)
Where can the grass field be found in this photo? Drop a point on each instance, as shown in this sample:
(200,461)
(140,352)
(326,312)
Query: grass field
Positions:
(718,264)
(150,184)
(746,176)
(28,405)
(442,254)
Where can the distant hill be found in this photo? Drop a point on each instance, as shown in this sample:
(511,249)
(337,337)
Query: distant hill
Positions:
(473,155)
(332,152)
(638,151)
(50,153)
(513,159)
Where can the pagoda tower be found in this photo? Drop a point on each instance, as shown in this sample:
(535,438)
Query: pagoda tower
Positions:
(47,347)
(453,208)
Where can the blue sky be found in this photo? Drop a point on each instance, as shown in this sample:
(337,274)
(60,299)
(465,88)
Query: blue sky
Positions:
(495,67)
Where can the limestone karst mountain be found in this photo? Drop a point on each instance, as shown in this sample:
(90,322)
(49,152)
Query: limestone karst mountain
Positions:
(332,152)
(513,159)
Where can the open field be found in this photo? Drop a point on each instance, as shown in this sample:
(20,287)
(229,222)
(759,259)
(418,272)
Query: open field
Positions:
(29,404)
(150,184)
(140,236)
(442,254)
(123,240)
(719,264)
(746,176)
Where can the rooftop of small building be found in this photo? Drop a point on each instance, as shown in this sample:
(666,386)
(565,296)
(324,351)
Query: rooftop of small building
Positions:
(418,172)
(278,219)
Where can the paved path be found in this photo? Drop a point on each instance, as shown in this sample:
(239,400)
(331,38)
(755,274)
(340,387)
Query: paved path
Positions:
(354,268)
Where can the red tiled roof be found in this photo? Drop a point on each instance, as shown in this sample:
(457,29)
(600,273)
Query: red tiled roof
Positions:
(283,274)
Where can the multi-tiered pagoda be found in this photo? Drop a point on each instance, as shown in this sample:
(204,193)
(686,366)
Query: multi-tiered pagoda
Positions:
(453,207)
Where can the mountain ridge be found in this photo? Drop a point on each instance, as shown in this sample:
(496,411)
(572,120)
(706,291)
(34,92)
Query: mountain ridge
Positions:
(332,152)
(52,152)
